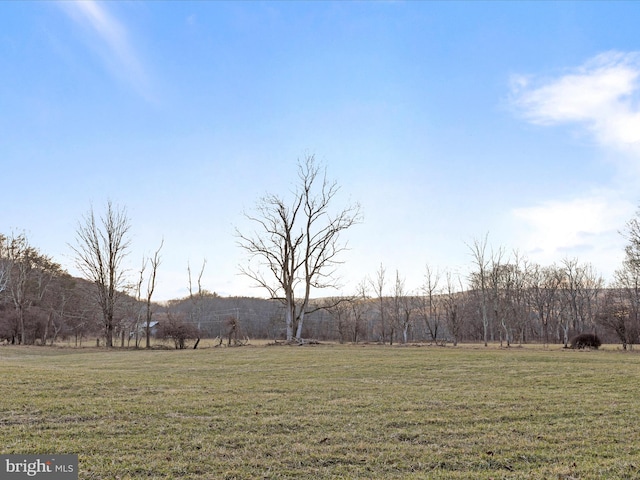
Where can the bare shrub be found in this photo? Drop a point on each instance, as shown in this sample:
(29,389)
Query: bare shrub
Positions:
(585,340)
(178,330)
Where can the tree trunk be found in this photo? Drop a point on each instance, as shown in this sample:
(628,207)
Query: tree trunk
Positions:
(565,333)
(109,336)
(300,323)
(45,334)
(21,325)
(485,323)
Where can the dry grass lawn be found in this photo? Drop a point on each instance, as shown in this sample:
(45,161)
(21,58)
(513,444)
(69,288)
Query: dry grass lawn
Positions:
(326,411)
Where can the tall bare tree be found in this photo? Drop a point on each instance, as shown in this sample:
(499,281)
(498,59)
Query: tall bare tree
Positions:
(480,280)
(499,276)
(101,246)
(519,275)
(21,261)
(627,277)
(154,262)
(196,299)
(297,242)
(579,289)
(359,310)
(146,311)
(402,309)
(378,286)
(429,308)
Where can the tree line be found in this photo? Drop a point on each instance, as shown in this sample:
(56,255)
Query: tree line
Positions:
(293,253)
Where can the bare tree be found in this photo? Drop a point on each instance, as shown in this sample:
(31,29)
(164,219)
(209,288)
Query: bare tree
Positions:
(627,277)
(627,281)
(63,299)
(101,246)
(342,315)
(135,311)
(579,289)
(151,286)
(378,285)
(592,284)
(615,314)
(5,264)
(348,313)
(542,295)
(28,276)
(480,280)
(500,277)
(429,303)
(402,310)
(196,300)
(506,279)
(519,272)
(177,329)
(359,308)
(21,258)
(632,234)
(452,301)
(570,289)
(82,310)
(297,243)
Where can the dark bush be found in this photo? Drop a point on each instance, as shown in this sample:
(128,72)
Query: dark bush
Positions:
(585,340)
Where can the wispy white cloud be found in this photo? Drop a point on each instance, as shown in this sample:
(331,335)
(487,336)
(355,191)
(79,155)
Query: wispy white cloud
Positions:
(113,43)
(601,98)
(601,95)
(558,228)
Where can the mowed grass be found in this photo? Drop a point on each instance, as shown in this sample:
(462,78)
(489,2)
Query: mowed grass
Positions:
(326,411)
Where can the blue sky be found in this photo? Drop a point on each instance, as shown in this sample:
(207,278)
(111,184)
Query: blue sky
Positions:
(444,120)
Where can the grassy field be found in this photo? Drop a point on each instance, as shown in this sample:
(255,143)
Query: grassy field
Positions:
(326,411)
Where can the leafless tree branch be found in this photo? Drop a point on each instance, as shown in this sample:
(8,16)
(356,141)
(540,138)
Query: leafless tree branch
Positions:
(296,245)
